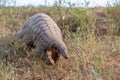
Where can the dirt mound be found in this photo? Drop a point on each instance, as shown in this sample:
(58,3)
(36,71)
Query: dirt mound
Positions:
(101,21)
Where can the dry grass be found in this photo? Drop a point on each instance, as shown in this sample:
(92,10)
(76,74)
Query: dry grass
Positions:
(91,57)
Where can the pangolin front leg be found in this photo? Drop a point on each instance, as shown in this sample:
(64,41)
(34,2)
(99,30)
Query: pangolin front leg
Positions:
(55,57)
(44,57)
(49,53)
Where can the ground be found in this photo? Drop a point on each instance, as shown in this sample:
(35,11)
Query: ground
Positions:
(92,57)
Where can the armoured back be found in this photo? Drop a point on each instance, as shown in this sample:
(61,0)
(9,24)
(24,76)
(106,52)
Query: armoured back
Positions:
(41,30)
(43,33)
(42,22)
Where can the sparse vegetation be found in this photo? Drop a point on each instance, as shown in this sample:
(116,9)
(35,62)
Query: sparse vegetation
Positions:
(92,57)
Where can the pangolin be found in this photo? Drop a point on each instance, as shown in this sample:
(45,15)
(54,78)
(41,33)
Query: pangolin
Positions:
(43,34)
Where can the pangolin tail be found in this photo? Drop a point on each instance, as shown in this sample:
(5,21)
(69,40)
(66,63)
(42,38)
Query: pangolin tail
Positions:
(19,34)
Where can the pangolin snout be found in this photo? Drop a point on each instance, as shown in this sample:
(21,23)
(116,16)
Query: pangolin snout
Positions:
(64,54)
(66,57)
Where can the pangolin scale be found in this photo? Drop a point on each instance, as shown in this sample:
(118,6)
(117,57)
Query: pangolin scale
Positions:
(43,34)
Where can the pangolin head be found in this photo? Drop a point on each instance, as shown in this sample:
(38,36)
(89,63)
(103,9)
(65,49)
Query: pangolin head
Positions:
(58,48)
(62,49)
